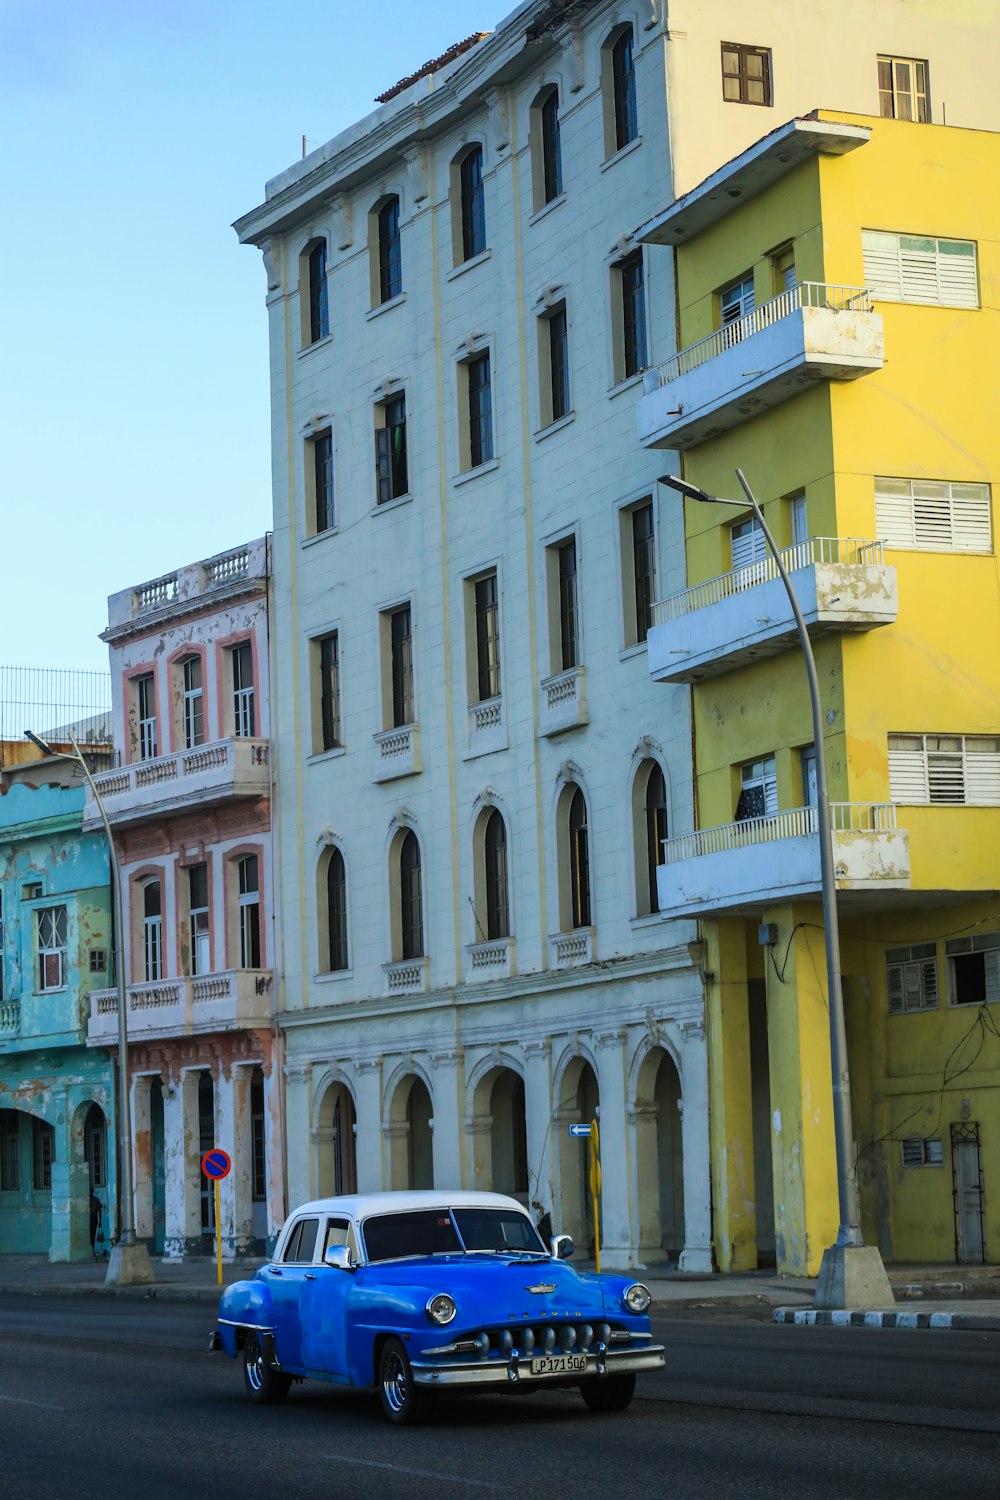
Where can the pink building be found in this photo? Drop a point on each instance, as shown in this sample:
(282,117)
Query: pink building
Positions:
(189,803)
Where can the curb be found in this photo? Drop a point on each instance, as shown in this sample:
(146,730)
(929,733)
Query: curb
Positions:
(810,1317)
(141,1293)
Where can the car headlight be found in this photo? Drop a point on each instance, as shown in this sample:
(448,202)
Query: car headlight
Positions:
(636,1297)
(441,1308)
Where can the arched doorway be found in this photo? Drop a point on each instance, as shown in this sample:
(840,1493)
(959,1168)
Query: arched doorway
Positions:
(579,1101)
(659,1157)
(27,1151)
(95,1155)
(411,1137)
(337,1165)
(499,1134)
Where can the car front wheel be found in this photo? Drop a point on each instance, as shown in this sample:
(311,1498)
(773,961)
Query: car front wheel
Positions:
(263,1384)
(402,1401)
(611,1394)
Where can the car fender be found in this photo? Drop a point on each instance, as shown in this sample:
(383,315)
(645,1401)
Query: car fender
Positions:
(377,1312)
(244,1304)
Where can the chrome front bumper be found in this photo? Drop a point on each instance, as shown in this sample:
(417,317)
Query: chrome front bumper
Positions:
(516,1371)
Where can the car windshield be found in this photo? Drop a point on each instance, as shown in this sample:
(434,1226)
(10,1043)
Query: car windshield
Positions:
(434,1232)
(497,1229)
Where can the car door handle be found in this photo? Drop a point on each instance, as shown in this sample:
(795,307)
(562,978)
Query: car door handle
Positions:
(272,1270)
(309,1276)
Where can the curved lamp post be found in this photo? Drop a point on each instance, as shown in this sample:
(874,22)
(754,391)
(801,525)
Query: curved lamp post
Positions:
(851,1273)
(129,1263)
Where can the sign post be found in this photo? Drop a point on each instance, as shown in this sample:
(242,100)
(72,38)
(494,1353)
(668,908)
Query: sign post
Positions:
(595,1189)
(217,1164)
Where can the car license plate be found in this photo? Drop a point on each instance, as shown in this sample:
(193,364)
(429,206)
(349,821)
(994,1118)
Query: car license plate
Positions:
(559,1364)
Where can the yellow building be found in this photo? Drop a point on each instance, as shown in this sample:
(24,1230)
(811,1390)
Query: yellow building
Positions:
(837,294)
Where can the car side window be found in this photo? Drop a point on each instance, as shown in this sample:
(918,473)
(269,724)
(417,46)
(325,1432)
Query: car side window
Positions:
(302,1244)
(340,1232)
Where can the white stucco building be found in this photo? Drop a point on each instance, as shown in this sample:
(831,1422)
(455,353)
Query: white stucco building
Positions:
(474,771)
(189,804)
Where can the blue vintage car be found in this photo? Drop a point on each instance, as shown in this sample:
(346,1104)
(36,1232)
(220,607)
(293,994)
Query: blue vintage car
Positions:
(411,1293)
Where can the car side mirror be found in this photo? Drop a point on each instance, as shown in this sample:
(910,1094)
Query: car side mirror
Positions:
(562,1247)
(340,1257)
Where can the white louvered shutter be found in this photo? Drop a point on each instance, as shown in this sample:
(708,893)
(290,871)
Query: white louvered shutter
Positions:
(933,1153)
(945,776)
(907,769)
(957,281)
(982,771)
(920,268)
(971,527)
(913,1152)
(991,963)
(880,253)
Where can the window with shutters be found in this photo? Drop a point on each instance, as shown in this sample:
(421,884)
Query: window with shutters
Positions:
(553,365)
(911,978)
(749,551)
(933,515)
(321,509)
(479,410)
(637,533)
(920,268)
(318,325)
(902,89)
(973,969)
(917,1152)
(618,90)
(392,475)
(468,205)
(758,789)
(945,769)
(746,74)
(735,302)
(485,682)
(386,257)
(397,661)
(628,317)
(563,605)
(328,649)
(546,149)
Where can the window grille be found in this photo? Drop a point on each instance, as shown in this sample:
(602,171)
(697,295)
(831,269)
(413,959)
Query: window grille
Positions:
(52,930)
(911,978)
(961,770)
(736,301)
(758,789)
(933,515)
(920,268)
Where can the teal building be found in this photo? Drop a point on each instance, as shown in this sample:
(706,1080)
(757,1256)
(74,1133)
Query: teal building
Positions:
(56,1095)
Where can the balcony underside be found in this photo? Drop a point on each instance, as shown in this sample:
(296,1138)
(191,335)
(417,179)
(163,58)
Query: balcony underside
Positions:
(757,622)
(229,1000)
(746,881)
(758,373)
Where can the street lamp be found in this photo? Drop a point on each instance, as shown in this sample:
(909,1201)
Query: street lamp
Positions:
(129,1263)
(851,1273)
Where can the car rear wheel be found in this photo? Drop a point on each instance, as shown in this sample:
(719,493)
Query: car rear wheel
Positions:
(263,1384)
(403,1402)
(612,1394)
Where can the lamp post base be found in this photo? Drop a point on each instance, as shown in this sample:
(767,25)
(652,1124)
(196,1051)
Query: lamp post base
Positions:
(853,1276)
(129,1265)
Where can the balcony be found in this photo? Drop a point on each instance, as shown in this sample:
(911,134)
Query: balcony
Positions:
(841,583)
(567,950)
(233,999)
(493,959)
(407,976)
(397,752)
(812,332)
(487,727)
(10,1018)
(563,702)
(745,867)
(204,776)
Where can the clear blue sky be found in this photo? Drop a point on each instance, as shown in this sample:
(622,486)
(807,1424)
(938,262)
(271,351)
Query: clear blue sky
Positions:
(133,338)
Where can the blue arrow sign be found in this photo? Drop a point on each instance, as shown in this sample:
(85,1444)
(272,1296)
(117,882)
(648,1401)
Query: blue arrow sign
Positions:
(578,1130)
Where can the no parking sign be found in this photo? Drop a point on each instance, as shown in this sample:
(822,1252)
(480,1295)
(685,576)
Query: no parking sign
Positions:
(217,1164)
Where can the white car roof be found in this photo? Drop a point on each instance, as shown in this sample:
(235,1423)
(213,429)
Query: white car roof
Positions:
(359,1205)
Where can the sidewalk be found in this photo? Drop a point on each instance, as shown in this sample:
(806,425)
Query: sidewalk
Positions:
(926,1296)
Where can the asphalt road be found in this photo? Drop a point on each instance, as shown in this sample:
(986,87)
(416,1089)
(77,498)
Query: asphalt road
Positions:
(102,1396)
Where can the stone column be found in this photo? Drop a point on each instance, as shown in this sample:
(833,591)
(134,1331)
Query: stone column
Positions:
(274,1151)
(371,1153)
(299,1141)
(182,1171)
(141,1092)
(802,1140)
(731,1102)
(693,1109)
(619,1244)
(645,1184)
(539,1127)
(232,1134)
(449,1087)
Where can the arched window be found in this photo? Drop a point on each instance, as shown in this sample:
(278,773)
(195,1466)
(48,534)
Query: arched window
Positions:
(390,265)
(497,891)
(656,830)
(336,911)
(473,205)
(152,931)
(319,306)
(579,861)
(623,85)
(411,900)
(551,149)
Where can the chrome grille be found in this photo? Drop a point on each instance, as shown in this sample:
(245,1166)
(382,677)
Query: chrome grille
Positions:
(526,1339)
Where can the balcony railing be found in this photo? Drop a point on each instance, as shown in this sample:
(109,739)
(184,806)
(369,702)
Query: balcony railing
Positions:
(204,1002)
(155,594)
(806,294)
(227,568)
(10,1015)
(397,752)
(849,551)
(237,767)
(797,822)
